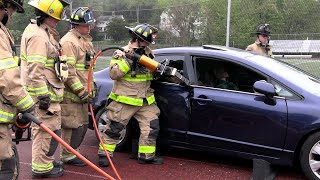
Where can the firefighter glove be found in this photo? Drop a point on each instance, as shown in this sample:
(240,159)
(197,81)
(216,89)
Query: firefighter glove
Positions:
(85,97)
(44,102)
(29,110)
(130,54)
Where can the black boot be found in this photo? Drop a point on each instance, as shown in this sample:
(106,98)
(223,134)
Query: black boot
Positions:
(8,168)
(76,162)
(103,161)
(134,149)
(55,172)
(57,164)
(155,160)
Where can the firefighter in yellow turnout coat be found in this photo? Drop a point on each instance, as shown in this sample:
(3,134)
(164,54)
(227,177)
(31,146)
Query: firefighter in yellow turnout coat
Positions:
(44,79)
(132,97)
(261,45)
(13,97)
(77,46)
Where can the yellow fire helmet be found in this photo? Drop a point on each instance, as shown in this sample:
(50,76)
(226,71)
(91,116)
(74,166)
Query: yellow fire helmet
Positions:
(54,8)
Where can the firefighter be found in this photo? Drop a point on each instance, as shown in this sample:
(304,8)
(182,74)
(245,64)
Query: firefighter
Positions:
(132,97)
(261,45)
(14,98)
(45,71)
(77,46)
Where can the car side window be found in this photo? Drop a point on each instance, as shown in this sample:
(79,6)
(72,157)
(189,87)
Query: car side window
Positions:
(223,74)
(282,91)
(176,61)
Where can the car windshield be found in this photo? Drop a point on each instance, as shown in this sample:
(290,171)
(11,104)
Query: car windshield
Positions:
(295,75)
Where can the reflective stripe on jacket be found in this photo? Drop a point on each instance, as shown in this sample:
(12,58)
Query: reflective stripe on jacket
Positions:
(127,89)
(13,96)
(39,48)
(75,46)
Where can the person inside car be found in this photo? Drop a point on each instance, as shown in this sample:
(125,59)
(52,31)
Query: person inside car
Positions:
(221,75)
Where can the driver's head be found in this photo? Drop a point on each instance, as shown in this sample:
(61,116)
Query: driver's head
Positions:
(221,72)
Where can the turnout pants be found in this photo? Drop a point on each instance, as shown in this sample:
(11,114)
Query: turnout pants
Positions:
(8,168)
(74,124)
(119,115)
(44,145)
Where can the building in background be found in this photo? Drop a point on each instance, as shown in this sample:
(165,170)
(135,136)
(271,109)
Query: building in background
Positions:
(103,21)
(296,48)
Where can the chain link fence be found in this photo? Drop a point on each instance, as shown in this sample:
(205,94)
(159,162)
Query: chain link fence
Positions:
(294,24)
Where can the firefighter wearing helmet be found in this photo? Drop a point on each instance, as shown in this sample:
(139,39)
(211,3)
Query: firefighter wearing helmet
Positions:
(261,45)
(77,46)
(44,70)
(14,98)
(132,96)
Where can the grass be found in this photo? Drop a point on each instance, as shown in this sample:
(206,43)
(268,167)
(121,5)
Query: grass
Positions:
(310,65)
(102,62)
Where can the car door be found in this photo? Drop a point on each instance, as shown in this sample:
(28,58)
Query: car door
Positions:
(236,120)
(173,102)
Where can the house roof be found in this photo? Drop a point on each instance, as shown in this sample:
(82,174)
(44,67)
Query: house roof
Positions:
(295,46)
(108,18)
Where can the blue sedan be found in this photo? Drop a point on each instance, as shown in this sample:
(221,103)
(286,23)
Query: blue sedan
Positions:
(271,111)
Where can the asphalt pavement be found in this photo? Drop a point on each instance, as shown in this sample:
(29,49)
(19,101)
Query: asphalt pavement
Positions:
(179,165)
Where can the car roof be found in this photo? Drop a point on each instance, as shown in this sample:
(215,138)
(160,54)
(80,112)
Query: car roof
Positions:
(263,63)
(216,50)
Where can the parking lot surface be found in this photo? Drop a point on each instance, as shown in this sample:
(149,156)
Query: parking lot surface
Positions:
(179,164)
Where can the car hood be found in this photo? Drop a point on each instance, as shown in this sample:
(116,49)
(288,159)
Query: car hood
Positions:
(296,77)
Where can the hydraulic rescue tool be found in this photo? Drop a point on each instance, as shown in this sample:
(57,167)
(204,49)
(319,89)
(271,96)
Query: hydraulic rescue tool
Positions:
(153,66)
(19,127)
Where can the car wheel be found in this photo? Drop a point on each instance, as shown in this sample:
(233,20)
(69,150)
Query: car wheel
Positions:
(310,157)
(101,119)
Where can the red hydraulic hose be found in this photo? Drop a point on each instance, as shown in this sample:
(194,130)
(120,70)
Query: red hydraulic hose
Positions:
(92,113)
(45,128)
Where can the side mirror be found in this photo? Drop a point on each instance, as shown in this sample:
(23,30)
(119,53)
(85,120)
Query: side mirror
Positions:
(267,89)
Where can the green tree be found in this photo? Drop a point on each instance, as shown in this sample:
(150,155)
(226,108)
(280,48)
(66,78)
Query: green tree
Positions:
(183,18)
(20,21)
(116,29)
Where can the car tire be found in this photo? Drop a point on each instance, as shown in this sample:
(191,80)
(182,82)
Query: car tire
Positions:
(101,120)
(310,154)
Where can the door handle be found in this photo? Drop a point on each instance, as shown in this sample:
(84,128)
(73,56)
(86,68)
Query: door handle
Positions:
(202,100)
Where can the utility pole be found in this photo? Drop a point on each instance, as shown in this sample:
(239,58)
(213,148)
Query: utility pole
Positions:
(71,8)
(137,11)
(228,23)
